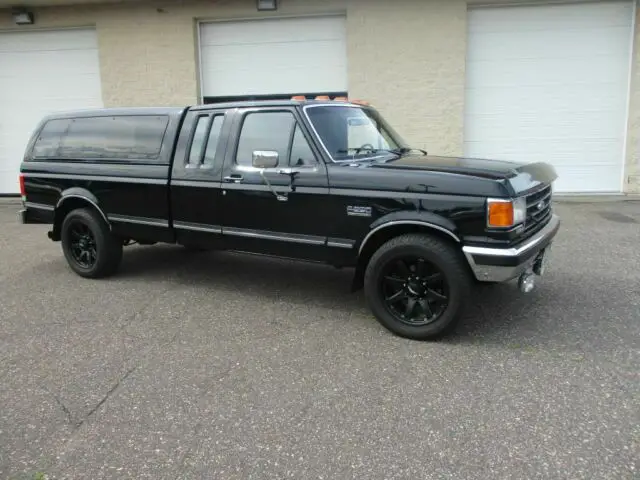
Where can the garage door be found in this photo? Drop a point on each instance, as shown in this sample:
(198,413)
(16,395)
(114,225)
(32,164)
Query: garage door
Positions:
(273,57)
(41,72)
(550,83)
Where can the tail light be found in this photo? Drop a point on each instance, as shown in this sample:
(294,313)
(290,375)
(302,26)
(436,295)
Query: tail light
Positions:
(23,192)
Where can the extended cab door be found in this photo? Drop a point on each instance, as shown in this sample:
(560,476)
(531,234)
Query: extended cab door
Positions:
(196,178)
(276,210)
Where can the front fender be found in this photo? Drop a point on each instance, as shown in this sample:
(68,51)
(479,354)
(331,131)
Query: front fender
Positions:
(397,219)
(428,218)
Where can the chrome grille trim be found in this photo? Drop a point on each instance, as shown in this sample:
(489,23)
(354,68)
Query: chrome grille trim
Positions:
(539,209)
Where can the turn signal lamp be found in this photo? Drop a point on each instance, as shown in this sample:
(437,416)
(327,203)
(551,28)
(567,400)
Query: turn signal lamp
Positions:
(323,97)
(502,213)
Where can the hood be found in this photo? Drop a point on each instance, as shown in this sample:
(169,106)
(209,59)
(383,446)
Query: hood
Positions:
(518,178)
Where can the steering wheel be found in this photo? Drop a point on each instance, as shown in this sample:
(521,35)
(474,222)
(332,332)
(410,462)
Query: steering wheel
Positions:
(366,146)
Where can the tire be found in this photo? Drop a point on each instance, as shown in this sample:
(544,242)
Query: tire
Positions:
(98,239)
(434,279)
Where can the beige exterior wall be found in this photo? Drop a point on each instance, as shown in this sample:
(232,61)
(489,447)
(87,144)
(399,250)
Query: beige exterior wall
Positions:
(408,58)
(405,56)
(632,160)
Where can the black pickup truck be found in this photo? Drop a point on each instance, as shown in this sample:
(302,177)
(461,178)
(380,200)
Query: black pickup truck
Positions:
(314,179)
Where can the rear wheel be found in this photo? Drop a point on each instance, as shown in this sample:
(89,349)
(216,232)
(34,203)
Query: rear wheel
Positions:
(415,285)
(88,245)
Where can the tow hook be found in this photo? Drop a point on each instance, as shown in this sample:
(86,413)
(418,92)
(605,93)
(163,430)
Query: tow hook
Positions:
(527,282)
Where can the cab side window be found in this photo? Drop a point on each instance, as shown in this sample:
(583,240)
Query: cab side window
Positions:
(197,144)
(301,153)
(276,131)
(212,142)
(265,131)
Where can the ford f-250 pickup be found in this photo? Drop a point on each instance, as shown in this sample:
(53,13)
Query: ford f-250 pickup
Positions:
(312,179)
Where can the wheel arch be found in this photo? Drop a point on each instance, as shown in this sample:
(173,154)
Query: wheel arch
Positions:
(70,200)
(386,230)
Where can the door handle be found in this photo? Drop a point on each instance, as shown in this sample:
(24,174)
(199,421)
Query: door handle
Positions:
(235,178)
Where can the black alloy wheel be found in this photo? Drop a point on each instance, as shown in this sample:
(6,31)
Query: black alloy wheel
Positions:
(415,291)
(82,245)
(89,246)
(416,286)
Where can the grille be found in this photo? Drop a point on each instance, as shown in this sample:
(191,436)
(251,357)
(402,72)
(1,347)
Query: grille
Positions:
(538,210)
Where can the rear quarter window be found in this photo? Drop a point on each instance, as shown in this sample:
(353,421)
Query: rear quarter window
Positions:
(121,137)
(48,141)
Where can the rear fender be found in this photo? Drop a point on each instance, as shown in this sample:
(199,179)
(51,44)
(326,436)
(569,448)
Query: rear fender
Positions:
(70,198)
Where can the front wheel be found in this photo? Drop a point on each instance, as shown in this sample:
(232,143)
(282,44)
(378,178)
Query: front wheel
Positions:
(415,285)
(88,245)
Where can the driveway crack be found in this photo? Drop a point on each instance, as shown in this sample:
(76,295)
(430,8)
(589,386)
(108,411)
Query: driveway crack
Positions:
(105,397)
(65,409)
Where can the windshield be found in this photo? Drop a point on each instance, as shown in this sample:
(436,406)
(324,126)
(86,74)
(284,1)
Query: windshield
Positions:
(350,133)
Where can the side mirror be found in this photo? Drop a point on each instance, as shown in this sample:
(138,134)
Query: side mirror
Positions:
(264,159)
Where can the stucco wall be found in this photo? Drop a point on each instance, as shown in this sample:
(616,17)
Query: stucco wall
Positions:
(406,56)
(632,170)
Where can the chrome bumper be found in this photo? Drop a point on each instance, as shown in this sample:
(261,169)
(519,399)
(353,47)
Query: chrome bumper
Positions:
(504,264)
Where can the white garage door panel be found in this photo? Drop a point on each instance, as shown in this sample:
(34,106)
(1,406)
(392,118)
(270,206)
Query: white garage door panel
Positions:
(273,56)
(549,126)
(588,97)
(540,19)
(540,72)
(77,61)
(596,41)
(550,83)
(51,40)
(41,73)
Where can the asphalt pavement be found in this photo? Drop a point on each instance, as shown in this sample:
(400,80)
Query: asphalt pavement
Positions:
(226,366)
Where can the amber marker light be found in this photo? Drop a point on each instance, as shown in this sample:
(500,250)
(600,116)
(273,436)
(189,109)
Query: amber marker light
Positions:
(505,213)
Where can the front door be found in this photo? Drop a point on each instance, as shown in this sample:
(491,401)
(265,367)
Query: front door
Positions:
(276,210)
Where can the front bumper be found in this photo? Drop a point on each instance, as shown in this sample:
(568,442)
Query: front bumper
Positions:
(504,264)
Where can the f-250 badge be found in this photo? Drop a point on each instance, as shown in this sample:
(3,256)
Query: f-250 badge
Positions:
(358,211)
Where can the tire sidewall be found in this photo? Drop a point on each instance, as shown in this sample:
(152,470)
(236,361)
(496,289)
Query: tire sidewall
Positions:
(99,232)
(450,268)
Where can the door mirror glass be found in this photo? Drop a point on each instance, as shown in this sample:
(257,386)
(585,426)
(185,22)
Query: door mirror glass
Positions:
(265,159)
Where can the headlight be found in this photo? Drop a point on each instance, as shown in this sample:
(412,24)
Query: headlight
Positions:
(506,213)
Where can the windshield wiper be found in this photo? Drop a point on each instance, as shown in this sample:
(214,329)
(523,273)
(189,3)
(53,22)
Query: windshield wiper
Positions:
(403,150)
(398,152)
(369,150)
